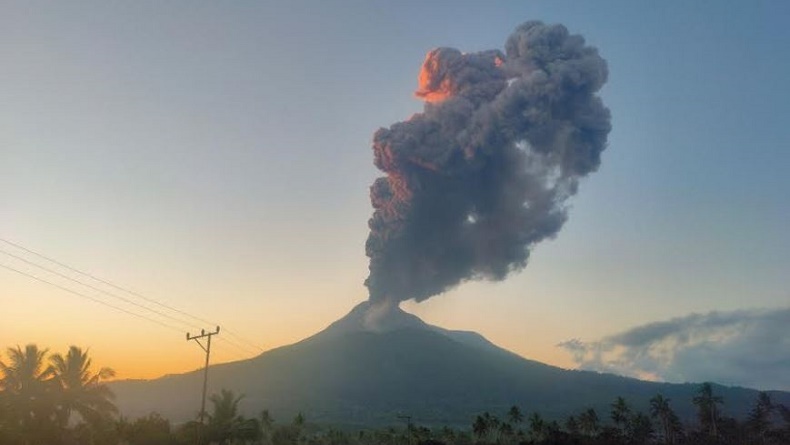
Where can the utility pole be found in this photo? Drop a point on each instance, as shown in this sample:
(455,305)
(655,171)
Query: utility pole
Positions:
(206,348)
(408,425)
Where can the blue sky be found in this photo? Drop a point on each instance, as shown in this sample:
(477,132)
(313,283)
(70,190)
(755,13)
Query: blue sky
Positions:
(217,157)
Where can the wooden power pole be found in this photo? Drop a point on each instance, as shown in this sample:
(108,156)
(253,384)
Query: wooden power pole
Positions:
(206,348)
(408,425)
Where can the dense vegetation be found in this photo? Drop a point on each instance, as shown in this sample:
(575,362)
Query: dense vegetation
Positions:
(58,399)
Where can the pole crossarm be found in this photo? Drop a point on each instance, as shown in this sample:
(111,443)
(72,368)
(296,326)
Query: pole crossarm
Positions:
(202,334)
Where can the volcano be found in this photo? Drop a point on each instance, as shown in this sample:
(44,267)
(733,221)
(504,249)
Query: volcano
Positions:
(379,362)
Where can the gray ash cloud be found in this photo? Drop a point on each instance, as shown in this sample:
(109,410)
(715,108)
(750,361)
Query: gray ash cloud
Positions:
(484,172)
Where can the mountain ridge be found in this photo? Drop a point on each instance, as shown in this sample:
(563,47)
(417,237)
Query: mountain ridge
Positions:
(366,369)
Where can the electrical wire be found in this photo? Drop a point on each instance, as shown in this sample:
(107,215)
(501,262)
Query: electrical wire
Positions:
(256,349)
(246,355)
(125,300)
(96,300)
(93,277)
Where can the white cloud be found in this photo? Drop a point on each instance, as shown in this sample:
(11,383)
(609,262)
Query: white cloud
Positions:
(748,348)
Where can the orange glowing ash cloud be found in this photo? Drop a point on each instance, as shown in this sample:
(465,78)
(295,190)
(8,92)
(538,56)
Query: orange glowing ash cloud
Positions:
(442,75)
(434,84)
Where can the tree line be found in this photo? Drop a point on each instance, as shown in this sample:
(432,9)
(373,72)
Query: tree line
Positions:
(56,399)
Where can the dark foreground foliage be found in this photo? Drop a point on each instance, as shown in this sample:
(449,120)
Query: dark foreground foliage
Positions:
(58,400)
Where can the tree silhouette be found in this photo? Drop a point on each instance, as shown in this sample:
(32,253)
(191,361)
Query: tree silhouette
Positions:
(784,432)
(448,434)
(5,414)
(299,420)
(759,420)
(639,429)
(537,427)
(79,390)
(28,394)
(707,410)
(621,413)
(660,409)
(267,426)
(589,423)
(572,425)
(480,427)
(298,425)
(514,415)
(152,429)
(225,423)
(505,432)
(493,425)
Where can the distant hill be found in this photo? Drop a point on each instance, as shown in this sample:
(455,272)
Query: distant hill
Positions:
(371,365)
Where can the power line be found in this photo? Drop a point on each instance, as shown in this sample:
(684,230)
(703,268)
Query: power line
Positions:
(117,308)
(258,348)
(241,348)
(130,292)
(96,300)
(126,300)
(230,354)
(150,300)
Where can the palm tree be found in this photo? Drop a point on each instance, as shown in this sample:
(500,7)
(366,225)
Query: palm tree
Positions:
(480,426)
(706,403)
(299,420)
(248,430)
(5,411)
(80,390)
(675,427)
(640,429)
(572,425)
(267,426)
(759,420)
(447,435)
(152,429)
(588,422)
(492,426)
(505,432)
(298,426)
(621,413)
(660,409)
(514,415)
(25,382)
(266,419)
(784,414)
(537,427)
(225,423)
(25,371)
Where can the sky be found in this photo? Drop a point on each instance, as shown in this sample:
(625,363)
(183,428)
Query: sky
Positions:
(216,158)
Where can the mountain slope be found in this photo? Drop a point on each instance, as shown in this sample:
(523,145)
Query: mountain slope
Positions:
(365,371)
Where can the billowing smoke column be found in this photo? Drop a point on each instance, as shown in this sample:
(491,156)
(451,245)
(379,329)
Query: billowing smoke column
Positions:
(482,175)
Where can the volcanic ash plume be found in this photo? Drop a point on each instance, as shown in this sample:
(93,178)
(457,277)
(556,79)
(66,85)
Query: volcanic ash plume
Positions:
(483,173)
